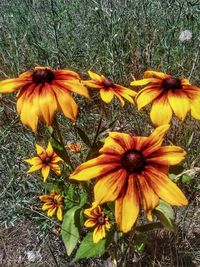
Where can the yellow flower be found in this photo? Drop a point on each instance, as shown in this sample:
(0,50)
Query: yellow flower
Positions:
(75,147)
(43,92)
(98,220)
(167,94)
(132,171)
(108,89)
(45,161)
(53,204)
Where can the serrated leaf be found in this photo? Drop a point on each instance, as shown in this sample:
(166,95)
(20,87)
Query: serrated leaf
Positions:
(165,214)
(89,249)
(70,229)
(83,136)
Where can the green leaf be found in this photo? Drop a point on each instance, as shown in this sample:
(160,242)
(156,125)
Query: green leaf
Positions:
(186,178)
(83,136)
(50,187)
(190,140)
(70,229)
(165,214)
(89,249)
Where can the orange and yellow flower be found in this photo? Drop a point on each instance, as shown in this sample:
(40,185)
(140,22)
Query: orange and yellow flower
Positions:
(132,171)
(109,89)
(75,147)
(43,92)
(53,204)
(97,220)
(167,94)
(45,161)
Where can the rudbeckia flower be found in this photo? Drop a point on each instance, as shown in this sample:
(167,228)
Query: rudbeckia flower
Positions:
(109,89)
(132,171)
(53,204)
(44,91)
(45,161)
(99,221)
(167,94)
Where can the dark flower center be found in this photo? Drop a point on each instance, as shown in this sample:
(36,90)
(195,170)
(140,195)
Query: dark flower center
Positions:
(171,84)
(107,84)
(133,161)
(47,160)
(42,76)
(101,220)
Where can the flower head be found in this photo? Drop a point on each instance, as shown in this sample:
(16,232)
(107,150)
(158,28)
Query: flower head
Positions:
(45,161)
(99,221)
(167,94)
(53,204)
(132,170)
(75,147)
(108,89)
(44,91)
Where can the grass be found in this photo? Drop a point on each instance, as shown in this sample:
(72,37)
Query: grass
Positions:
(120,39)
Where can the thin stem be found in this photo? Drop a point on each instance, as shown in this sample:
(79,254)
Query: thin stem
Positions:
(58,132)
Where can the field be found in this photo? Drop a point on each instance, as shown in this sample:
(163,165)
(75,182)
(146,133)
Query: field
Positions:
(119,39)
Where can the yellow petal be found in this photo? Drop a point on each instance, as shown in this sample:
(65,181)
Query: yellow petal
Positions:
(120,99)
(51,211)
(39,149)
(148,198)
(66,103)
(10,85)
(123,139)
(127,207)
(144,81)
(49,149)
(90,223)
(73,86)
(195,108)
(95,167)
(95,76)
(112,146)
(109,187)
(167,155)
(45,172)
(47,206)
(34,161)
(179,103)
(147,95)
(106,95)
(35,168)
(165,188)
(48,104)
(155,74)
(99,233)
(59,213)
(92,84)
(161,112)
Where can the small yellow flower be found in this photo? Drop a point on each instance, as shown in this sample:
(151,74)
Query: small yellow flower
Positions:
(108,89)
(53,203)
(75,147)
(45,161)
(98,220)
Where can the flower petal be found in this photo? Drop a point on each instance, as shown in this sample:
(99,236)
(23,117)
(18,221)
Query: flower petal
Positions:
(51,211)
(167,155)
(112,146)
(34,161)
(123,139)
(48,104)
(35,168)
(74,86)
(144,81)
(109,187)
(155,74)
(59,213)
(148,198)
(45,172)
(179,103)
(90,222)
(161,112)
(39,149)
(95,167)
(127,206)
(95,76)
(195,108)
(165,188)
(106,95)
(10,85)
(99,233)
(66,103)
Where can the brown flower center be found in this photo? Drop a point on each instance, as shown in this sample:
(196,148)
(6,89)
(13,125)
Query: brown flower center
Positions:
(42,76)
(171,84)
(101,220)
(107,84)
(133,161)
(47,160)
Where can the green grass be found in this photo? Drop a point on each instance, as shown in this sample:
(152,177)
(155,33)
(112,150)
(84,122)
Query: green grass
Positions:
(120,39)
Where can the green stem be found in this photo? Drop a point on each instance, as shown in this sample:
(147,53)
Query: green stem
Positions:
(58,132)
